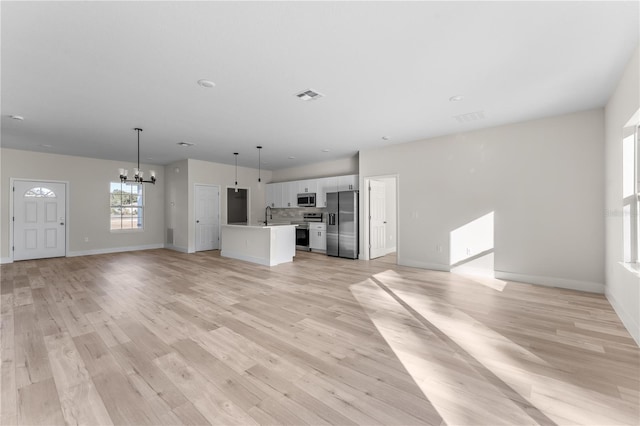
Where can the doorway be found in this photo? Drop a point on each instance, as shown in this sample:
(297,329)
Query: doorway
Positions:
(237,206)
(207,209)
(381,229)
(39,219)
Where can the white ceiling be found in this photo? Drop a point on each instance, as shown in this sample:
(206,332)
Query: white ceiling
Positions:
(84,74)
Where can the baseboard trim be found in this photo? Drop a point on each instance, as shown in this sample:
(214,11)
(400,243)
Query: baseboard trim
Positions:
(176,248)
(627,320)
(424,265)
(589,286)
(4,260)
(113,250)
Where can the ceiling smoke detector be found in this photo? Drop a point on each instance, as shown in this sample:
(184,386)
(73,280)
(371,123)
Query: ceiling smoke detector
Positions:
(206,83)
(309,95)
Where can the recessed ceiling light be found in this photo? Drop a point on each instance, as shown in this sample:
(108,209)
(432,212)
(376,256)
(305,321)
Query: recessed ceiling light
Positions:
(17,117)
(46,145)
(385,138)
(206,83)
(325,150)
(292,158)
(456,98)
(184,144)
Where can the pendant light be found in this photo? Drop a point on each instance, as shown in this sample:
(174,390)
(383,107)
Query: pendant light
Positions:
(236,155)
(259,150)
(137,173)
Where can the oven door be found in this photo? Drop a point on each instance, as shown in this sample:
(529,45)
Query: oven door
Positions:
(302,238)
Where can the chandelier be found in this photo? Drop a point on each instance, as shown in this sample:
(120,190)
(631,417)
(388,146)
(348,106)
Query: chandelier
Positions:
(137,173)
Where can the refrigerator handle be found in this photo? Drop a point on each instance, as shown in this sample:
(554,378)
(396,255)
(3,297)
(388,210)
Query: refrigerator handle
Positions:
(332,218)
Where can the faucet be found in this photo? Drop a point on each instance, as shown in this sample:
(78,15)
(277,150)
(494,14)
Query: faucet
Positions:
(267,216)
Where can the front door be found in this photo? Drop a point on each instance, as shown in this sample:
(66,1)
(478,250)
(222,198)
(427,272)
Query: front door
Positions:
(207,217)
(39,219)
(377,222)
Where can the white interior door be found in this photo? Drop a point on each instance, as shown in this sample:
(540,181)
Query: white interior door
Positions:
(207,199)
(39,220)
(377,218)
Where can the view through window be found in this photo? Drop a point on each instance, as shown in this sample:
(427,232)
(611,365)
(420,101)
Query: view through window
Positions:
(127,206)
(631,197)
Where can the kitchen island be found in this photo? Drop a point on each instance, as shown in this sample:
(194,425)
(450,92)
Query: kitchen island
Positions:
(266,245)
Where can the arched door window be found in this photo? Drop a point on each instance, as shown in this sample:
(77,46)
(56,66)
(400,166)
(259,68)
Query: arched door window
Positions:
(39,192)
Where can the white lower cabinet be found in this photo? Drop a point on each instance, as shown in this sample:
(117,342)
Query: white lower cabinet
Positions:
(318,236)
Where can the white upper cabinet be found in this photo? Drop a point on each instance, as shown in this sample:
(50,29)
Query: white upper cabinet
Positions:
(273,195)
(308,186)
(325,185)
(269,195)
(289,194)
(285,194)
(348,182)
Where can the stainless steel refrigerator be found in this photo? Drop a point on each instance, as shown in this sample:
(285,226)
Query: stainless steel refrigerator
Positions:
(342,224)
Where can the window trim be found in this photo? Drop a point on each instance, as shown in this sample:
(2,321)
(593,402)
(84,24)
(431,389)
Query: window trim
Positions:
(633,202)
(142,207)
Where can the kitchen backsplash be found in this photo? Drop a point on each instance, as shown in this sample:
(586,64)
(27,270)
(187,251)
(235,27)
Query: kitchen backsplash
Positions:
(289,215)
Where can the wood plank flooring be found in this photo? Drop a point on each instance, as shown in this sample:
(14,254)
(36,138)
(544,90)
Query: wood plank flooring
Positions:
(163,338)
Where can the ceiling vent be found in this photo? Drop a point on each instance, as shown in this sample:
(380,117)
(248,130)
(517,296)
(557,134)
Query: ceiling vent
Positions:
(309,95)
(469,117)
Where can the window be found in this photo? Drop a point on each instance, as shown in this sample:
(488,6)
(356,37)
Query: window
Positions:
(40,192)
(631,196)
(127,206)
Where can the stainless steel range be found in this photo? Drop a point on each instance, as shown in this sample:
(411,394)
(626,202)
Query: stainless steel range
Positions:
(302,230)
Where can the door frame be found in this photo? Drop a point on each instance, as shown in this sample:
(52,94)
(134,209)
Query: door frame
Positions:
(193,219)
(226,206)
(365,215)
(12,213)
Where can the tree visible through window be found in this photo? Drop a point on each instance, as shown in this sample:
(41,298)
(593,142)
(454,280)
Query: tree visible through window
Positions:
(127,206)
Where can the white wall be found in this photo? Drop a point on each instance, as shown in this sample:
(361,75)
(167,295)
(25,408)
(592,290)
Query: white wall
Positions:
(622,285)
(205,172)
(88,200)
(341,167)
(176,204)
(544,179)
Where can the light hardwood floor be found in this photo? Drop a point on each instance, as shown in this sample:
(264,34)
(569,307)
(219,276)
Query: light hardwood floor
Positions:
(160,337)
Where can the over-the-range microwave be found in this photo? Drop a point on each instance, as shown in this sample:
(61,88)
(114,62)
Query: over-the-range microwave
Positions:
(307,200)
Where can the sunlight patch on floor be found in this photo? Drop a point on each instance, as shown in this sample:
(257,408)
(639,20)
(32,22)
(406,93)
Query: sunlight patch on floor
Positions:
(474,366)
(487,281)
(446,379)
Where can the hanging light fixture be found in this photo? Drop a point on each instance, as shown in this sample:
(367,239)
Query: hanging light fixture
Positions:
(137,173)
(236,155)
(259,170)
